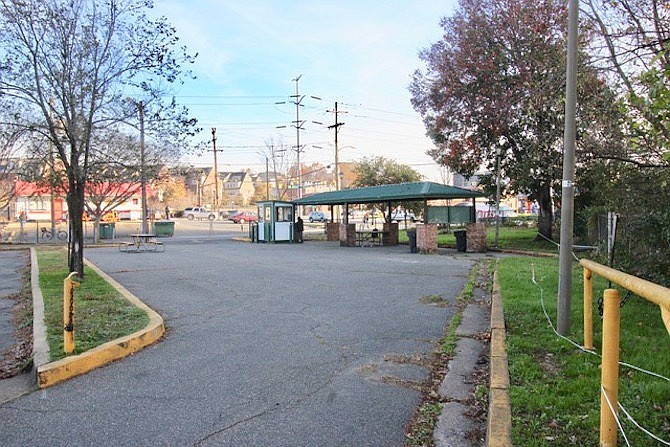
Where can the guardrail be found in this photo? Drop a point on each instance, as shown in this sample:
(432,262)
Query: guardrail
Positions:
(652,292)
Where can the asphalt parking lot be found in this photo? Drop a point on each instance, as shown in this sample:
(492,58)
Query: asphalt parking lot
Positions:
(268,345)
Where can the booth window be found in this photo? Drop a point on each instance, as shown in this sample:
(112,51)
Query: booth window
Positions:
(284,214)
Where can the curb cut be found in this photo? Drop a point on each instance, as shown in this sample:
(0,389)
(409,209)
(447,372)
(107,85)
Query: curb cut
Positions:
(49,374)
(499,421)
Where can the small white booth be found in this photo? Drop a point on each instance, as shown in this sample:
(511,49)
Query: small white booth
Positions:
(275,221)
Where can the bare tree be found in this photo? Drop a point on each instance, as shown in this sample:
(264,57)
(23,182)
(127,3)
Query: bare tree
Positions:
(279,158)
(73,65)
(9,166)
(632,43)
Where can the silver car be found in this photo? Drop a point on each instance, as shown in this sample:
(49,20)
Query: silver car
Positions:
(198,212)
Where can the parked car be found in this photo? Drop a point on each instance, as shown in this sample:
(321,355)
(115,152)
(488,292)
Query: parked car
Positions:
(486,211)
(198,212)
(318,216)
(243,217)
(227,213)
(402,215)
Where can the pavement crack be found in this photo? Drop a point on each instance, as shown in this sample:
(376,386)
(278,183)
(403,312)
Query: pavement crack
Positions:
(233,425)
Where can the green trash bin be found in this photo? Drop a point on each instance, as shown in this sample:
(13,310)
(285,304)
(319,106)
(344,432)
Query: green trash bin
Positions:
(107,230)
(411,235)
(164,228)
(461,241)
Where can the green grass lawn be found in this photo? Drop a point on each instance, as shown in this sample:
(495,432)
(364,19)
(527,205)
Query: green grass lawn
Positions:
(555,386)
(101,313)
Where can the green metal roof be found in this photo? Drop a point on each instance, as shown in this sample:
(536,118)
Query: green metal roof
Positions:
(384,193)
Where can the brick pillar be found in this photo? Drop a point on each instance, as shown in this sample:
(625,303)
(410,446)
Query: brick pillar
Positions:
(426,238)
(476,237)
(332,231)
(347,235)
(390,234)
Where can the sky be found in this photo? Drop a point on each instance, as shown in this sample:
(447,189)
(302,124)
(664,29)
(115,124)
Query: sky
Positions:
(358,53)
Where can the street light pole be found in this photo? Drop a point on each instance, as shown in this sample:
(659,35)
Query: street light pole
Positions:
(267,178)
(143,176)
(216,174)
(497,195)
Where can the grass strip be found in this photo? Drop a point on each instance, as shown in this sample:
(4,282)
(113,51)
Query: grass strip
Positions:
(102,314)
(510,238)
(555,387)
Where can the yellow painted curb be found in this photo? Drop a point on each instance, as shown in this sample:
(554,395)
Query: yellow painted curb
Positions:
(52,373)
(499,421)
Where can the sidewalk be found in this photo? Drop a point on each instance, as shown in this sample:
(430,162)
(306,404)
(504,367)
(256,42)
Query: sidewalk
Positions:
(13,264)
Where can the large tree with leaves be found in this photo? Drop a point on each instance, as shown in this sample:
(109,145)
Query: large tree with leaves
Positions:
(494,88)
(382,171)
(79,67)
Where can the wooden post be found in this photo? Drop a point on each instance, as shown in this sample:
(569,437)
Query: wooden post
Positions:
(610,370)
(69,285)
(588,309)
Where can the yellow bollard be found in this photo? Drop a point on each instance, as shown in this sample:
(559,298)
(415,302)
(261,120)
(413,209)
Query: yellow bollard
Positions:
(588,309)
(610,369)
(69,285)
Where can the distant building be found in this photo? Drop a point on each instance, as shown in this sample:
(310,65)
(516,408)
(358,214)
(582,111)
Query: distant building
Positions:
(238,188)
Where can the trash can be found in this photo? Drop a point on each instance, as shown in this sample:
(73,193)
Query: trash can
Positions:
(107,230)
(411,234)
(164,228)
(253,231)
(461,241)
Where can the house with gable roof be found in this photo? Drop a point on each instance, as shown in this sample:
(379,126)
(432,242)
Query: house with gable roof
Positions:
(238,188)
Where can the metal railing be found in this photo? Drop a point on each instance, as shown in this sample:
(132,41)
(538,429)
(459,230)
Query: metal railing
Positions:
(652,292)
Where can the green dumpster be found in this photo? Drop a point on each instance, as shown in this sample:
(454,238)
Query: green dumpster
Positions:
(164,228)
(107,230)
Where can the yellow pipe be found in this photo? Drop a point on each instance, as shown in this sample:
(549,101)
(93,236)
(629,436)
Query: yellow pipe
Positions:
(610,369)
(69,285)
(658,295)
(588,309)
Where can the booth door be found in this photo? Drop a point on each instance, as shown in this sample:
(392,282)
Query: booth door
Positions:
(283,231)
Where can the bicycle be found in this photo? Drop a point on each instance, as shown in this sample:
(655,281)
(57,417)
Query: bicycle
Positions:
(47,235)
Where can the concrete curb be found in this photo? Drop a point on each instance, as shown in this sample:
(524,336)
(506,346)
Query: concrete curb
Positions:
(40,345)
(49,374)
(499,422)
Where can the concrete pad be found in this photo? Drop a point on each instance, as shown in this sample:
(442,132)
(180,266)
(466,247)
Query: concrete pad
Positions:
(453,426)
(456,384)
(475,320)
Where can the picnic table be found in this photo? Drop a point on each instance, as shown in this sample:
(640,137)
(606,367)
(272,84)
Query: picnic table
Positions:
(370,238)
(142,242)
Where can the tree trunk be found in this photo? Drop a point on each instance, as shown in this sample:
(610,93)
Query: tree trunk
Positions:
(545,217)
(96,228)
(75,205)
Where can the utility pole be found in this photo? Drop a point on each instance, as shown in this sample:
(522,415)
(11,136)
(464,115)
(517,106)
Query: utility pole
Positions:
(568,187)
(143,175)
(216,174)
(298,126)
(336,126)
